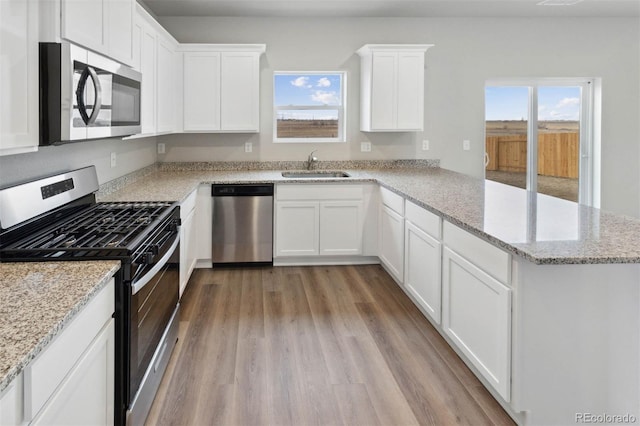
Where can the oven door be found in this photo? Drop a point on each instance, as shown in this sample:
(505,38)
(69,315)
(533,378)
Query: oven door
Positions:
(153,328)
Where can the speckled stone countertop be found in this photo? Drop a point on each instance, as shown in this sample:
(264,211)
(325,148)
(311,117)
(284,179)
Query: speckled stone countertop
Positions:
(38,301)
(539,228)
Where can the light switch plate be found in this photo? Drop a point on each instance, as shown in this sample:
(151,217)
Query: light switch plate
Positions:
(161,148)
(365,146)
(466,145)
(425,145)
(248,147)
(113,159)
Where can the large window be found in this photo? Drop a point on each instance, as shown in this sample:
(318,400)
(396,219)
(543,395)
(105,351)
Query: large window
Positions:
(538,136)
(309,106)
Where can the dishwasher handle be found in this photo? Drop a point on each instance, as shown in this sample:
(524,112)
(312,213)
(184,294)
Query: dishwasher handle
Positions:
(242,190)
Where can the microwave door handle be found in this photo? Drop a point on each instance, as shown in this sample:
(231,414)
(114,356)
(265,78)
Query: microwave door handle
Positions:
(82,107)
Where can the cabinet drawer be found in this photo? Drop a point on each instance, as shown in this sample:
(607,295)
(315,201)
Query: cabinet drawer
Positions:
(188,204)
(481,253)
(48,370)
(423,219)
(392,200)
(318,192)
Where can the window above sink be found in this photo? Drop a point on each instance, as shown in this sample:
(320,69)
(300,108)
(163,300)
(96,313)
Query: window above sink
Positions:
(309,106)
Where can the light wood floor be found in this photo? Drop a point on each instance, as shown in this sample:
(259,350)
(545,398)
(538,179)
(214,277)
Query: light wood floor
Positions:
(313,346)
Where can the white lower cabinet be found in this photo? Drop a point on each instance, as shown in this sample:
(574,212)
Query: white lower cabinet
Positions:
(391,242)
(319,220)
(297,228)
(476,316)
(188,239)
(86,394)
(422,277)
(203,226)
(72,380)
(12,403)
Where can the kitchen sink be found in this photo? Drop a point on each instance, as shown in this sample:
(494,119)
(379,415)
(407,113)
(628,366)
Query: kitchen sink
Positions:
(314,174)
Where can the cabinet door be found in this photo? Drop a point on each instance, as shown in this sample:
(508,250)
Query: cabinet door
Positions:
(12,403)
(476,315)
(83,22)
(166,86)
(86,395)
(340,227)
(410,92)
(148,86)
(422,269)
(383,91)
(239,107)
(187,249)
(120,30)
(391,242)
(297,228)
(201,91)
(18,76)
(204,224)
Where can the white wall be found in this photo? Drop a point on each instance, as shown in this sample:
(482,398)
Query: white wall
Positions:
(131,155)
(467,52)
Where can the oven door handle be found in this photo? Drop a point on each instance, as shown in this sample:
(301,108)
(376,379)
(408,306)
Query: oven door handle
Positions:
(87,73)
(156,268)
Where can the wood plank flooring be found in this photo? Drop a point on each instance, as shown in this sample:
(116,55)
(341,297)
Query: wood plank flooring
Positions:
(322,345)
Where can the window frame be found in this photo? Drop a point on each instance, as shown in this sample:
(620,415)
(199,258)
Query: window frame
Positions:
(341,109)
(589,171)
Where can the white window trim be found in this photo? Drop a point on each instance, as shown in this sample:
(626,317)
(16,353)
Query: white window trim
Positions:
(342,119)
(589,174)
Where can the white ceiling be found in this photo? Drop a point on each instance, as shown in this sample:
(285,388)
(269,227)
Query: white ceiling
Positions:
(391,8)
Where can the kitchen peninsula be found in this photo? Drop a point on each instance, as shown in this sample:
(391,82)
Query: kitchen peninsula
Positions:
(540,296)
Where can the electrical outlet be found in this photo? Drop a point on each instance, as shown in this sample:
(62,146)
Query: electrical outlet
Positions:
(248,147)
(365,146)
(466,145)
(161,148)
(425,145)
(113,159)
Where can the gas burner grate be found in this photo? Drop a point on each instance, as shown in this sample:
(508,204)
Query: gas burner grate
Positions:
(100,226)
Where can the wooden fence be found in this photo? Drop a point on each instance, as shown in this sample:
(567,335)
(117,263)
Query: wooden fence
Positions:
(557,154)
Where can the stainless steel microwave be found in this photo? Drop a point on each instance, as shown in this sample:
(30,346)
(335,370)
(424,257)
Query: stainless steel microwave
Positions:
(84,95)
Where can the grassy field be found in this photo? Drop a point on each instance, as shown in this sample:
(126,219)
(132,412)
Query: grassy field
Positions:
(518,127)
(307,128)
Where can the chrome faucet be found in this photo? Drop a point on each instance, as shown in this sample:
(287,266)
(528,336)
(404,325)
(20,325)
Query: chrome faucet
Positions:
(311,159)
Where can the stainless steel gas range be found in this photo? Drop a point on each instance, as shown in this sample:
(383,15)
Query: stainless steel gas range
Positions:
(57,218)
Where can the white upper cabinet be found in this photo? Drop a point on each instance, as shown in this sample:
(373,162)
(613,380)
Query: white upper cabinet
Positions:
(240,91)
(392,87)
(104,26)
(18,76)
(201,85)
(85,22)
(167,84)
(222,87)
(156,56)
(120,30)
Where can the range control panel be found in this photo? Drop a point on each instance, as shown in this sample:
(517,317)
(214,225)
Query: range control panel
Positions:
(49,191)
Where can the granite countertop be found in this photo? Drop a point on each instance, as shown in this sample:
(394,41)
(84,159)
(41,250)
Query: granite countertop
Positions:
(38,300)
(539,228)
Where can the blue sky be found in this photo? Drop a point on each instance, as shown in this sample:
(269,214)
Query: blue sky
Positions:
(510,103)
(307,89)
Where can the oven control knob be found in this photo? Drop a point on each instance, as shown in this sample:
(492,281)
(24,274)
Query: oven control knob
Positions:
(173,227)
(147,258)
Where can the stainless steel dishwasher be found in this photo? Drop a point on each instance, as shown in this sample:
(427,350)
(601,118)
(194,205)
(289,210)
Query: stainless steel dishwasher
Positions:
(242,224)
